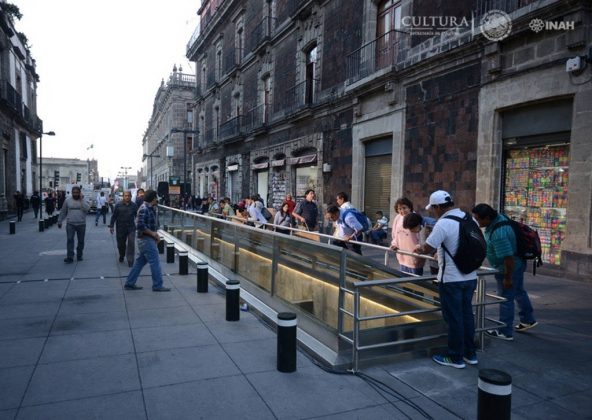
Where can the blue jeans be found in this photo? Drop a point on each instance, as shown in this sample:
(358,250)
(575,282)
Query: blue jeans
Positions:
(455,299)
(411,270)
(79,231)
(100,213)
(147,254)
(517,293)
(377,236)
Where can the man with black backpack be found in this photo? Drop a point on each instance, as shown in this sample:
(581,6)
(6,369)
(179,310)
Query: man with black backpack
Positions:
(456,238)
(503,255)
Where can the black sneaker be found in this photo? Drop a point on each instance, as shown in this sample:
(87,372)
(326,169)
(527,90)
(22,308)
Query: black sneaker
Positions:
(120,259)
(132,287)
(161,289)
(498,335)
(68,260)
(523,326)
(79,258)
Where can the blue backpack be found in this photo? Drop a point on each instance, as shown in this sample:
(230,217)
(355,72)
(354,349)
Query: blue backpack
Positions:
(363,220)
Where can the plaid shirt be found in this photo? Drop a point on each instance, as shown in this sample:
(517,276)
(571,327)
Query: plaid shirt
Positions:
(146,219)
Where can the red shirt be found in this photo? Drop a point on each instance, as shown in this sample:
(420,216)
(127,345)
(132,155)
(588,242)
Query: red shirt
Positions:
(291,206)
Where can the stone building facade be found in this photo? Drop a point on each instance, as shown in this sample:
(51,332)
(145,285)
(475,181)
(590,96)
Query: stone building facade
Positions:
(374,98)
(19,125)
(69,170)
(169,139)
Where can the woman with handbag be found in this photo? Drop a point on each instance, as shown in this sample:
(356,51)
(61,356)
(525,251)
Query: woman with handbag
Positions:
(283,219)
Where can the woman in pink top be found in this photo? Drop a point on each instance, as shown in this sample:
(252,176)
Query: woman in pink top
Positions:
(405,240)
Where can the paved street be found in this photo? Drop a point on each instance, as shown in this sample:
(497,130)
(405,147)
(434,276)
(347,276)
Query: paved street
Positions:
(75,345)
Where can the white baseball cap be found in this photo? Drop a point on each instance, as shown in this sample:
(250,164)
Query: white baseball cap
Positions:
(439,197)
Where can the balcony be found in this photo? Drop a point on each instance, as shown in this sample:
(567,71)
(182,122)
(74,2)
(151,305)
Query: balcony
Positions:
(206,13)
(508,6)
(262,32)
(379,54)
(255,118)
(231,129)
(10,96)
(182,80)
(302,95)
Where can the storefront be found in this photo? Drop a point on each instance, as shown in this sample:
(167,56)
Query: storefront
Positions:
(306,172)
(536,192)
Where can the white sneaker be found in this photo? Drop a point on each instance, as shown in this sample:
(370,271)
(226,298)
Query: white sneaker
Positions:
(497,334)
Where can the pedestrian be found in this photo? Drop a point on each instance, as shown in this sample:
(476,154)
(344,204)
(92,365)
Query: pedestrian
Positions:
(50,204)
(19,204)
(148,238)
(74,211)
(307,211)
(102,208)
(456,288)
(198,203)
(123,220)
(348,227)
(405,240)
(380,229)
(139,197)
(291,203)
(227,210)
(283,219)
(502,249)
(342,200)
(35,203)
(255,214)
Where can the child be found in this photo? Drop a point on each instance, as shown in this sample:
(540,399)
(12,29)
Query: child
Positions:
(406,239)
(378,232)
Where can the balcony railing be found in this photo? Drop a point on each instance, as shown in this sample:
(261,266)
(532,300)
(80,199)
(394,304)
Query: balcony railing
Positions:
(230,129)
(302,95)
(262,32)
(295,5)
(508,6)
(376,55)
(255,118)
(182,80)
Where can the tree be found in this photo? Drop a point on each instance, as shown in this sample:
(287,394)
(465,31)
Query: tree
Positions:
(12,11)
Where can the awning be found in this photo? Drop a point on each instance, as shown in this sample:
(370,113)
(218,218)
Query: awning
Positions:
(302,159)
(232,168)
(277,163)
(263,165)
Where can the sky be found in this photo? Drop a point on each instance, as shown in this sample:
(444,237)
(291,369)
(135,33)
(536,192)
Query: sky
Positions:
(100,64)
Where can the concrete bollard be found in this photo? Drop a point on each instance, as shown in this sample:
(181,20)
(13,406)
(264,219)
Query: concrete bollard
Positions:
(183,263)
(170,252)
(41,225)
(12,227)
(286,342)
(161,246)
(495,395)
(232,300)
(202,277)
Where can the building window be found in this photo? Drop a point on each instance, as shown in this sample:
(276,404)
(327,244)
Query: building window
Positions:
(218,68)
(389,17)
(265,98)
(23,140)
(240,42)
(311,74)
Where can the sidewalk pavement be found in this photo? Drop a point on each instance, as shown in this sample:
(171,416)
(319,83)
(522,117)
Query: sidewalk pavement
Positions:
(75,345)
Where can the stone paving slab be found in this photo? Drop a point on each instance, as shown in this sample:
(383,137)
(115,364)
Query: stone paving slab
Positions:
(86,348)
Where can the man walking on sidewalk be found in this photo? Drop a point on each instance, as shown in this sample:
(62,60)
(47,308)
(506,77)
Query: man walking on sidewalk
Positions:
(35,203)
(19,203)
(74,212)
(148,238)
(124,220)
(502,248)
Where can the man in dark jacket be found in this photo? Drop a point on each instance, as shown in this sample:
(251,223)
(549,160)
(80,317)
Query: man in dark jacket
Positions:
(19,202)
(35,203)
(123,219)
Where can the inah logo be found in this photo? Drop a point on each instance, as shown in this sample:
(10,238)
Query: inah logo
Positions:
(496,25)
(537,25)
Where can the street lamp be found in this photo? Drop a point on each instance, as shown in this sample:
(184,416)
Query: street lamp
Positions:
(49,133)
(125,168)
(151,155)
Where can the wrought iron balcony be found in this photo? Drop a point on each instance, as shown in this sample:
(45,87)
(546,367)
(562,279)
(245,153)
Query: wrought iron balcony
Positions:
(255,118)
(302,95)
(378,54)
(508,6)
(11,97)
(230,129)
(262,32)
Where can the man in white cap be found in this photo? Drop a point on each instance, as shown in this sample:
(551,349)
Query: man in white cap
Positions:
(456,288)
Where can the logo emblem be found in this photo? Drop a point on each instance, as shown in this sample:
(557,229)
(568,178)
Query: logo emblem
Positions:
(496,25)
(537,25)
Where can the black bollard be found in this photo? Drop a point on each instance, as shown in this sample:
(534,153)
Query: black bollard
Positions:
(170,252)
(12,227)
(41,225)
(495,395)
(202,277)
(165,228)
(46,223)
(183,263)
(161,245)
(232,300)
(286,342)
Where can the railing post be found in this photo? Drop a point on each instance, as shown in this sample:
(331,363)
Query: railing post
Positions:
(341,302)
(480,318)
(356,331)
(183,263)
(274,264)
(202,277)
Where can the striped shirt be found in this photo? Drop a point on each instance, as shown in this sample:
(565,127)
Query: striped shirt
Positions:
(146,219)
